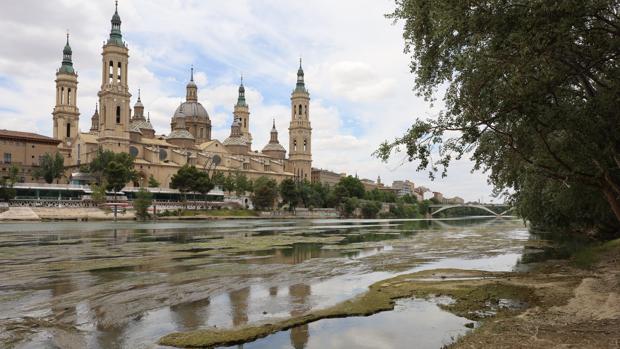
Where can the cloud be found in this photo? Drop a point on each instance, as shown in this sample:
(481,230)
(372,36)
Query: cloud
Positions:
(355,70)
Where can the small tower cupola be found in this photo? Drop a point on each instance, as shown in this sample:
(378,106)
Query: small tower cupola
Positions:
(138,108)
(67,62)
(241,99)
(274,133)
(301,86)
(116,37)
(94,120)
(192,89)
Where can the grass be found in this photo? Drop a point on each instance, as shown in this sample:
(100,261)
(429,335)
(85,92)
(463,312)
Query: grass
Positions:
(588,257)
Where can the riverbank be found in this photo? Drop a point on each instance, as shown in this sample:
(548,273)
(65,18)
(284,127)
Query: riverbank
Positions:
(568,303)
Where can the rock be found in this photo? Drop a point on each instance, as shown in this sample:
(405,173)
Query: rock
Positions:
(469,325)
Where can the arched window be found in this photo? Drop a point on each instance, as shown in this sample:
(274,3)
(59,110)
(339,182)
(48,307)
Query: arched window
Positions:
(245,122)
(68,130)
(69,96)
(119,72)
(295,145)
(306,110)
(111,72)
(295,110)
(62,95)
(305,145)
(300,109)
(118,115)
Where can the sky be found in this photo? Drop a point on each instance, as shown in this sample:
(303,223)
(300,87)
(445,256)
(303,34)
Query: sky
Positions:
(359,80)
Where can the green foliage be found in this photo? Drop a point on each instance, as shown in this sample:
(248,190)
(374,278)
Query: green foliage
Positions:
(98,193)
(348,206)
(242,184)
(183,180)
(370,209)
(142,202)
(228,184)
(289,193)
(219,178)
(348,187)
(380,195)
(115,169)
(7,192)
(153,183)
(50,167)
(265,192)
(532,97)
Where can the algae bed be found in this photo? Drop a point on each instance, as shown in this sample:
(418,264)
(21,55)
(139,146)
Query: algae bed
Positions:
(105,285)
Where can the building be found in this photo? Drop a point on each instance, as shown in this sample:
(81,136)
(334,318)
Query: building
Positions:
(403,188)
(326,177)
(117,127)
(24,150)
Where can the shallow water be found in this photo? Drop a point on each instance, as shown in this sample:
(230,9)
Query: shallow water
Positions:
(124,285)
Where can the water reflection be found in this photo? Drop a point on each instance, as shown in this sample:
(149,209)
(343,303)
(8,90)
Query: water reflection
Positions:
(127,284)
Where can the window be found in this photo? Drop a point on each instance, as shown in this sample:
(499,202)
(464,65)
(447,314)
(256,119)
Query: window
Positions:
(118,114)
(305,145)
(111,72)
(68,130)
(69,96)
(245,123)
(202,130)
(306,110)
(62,95)
(300,109)
(119,72)
(7,158)
(295,145)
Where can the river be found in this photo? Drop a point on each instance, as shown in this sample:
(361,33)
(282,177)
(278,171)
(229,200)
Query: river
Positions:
(126,284)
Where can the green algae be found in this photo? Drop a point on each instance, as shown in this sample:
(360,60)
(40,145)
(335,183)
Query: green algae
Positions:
(472,296)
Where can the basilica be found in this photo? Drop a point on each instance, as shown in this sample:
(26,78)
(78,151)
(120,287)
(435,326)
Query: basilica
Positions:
(117,127)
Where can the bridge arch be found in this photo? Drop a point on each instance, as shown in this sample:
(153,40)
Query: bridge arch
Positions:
(480,207)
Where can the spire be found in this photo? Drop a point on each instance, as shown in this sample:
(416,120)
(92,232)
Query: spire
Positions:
(241,99)
(138,108)
(274,133)
(94,120)
(301,86)
(192,89)
(116,37)
(67,62)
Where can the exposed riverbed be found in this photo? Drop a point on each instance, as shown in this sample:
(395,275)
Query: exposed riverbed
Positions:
(125,285)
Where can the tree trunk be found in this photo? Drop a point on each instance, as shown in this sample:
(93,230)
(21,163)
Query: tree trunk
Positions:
(613,200)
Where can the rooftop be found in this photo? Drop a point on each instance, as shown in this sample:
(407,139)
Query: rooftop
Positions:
(29,136)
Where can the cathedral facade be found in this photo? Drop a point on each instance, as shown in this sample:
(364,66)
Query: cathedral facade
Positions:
(118,127)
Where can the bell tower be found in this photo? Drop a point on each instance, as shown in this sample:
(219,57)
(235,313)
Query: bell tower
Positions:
(300,132)
(242,113)
(66,114)
(114,94)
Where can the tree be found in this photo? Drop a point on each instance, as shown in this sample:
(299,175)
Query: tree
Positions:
(183,180)
(531,96)
(117,175)
(202,184)
(348,206)
(7,192)
(98,193)
(144,200)
(242,184)
(370,209)
(289,193)
(218,178)
(348,187)
(264,193)
(153,183)
(229,184)
(50,167)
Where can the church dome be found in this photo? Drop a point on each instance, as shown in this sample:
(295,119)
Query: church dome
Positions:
(180,134)
(142,124)
(191,110)
(274,147)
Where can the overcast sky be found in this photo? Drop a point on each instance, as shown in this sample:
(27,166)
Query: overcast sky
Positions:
(355,70)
